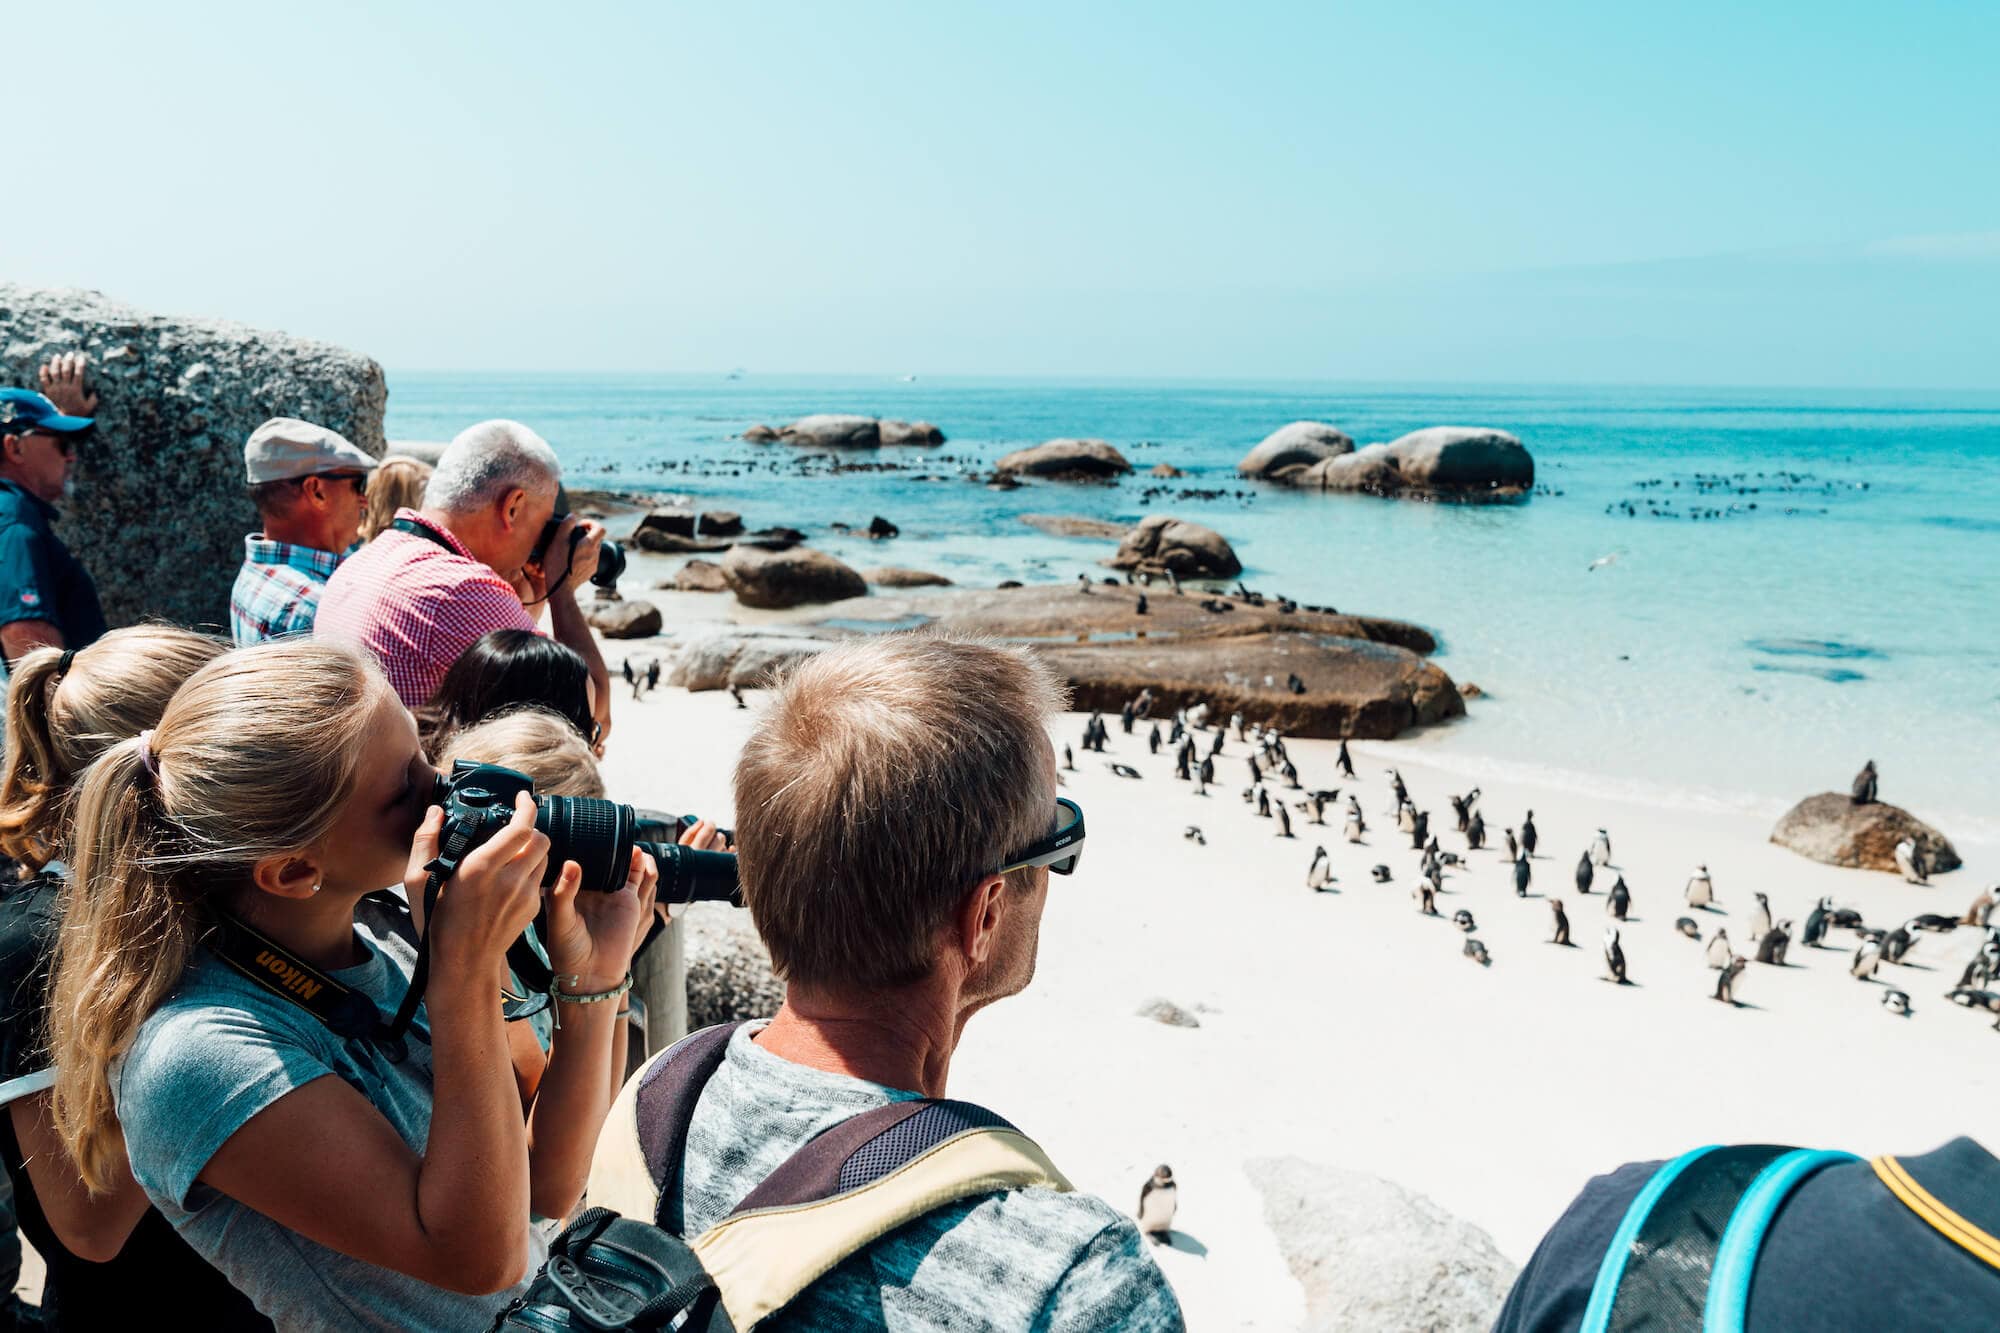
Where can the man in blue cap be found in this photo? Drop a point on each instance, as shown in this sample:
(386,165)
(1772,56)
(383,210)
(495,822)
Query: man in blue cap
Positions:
(46,596)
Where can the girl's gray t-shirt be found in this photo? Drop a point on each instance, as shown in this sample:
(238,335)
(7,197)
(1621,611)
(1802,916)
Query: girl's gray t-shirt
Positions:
(221,1049)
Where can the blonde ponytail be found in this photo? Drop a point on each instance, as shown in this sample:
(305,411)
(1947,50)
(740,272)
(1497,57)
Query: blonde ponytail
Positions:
(254,756)
(59,720)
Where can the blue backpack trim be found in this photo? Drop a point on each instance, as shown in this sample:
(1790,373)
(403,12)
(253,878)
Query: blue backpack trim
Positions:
(1690,1263)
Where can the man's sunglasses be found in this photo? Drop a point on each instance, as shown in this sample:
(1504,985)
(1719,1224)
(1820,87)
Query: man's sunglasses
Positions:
(360,479)
(1061,849)
(66,443)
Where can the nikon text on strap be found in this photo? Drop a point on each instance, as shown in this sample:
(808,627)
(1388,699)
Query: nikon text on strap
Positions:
(346,1011)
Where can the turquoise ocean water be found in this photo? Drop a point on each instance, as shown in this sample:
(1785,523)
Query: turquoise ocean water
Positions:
(1727,654)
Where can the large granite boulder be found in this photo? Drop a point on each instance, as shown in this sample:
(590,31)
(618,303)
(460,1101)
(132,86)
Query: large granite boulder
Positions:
(1372,1255)
(699,576)
(1300,444)
(745,659)
(1161,543)
(1071,525)
(1830,827)
(622,619)
(890,576)
(160,510)
(1065,460)
(832,430)
(1438,463)
(790,577)
(729,977)
(909,433)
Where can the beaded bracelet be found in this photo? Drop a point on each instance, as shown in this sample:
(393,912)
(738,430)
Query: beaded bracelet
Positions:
(562,997)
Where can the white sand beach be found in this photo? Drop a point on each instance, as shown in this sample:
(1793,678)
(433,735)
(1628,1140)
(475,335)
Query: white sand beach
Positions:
(1344,1028)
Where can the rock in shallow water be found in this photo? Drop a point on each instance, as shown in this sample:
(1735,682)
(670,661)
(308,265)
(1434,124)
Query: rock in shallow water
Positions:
(1065,460)
(1373,1256)
(1440,462)
(1830,827)
(1300,444)
(160,511)
(1161,543)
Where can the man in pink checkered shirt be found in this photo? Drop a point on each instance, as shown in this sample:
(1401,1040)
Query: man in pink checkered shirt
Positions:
(425,589)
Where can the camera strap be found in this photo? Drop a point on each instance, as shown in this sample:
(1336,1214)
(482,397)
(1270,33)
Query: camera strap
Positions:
(426,531)
(457,843)
(344,1010)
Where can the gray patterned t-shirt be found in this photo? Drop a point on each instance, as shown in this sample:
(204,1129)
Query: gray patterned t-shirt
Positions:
(1015,1260)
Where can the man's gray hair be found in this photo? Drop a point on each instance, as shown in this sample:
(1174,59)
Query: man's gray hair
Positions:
(484,462)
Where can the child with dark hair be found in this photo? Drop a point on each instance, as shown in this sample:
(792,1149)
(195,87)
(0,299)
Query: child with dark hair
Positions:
(508,669)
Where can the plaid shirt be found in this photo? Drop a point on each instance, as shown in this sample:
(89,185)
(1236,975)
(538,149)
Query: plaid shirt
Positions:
(416,605)
(277,591)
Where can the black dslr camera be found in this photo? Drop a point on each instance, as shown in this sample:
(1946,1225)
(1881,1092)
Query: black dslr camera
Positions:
(478,801)
(610,555)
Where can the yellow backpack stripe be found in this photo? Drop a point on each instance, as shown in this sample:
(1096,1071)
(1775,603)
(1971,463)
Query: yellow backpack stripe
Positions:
(1928,1207)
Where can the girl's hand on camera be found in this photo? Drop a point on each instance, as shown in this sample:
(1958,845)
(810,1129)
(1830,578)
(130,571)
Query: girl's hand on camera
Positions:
(493,896)
(592,935)
(702,836)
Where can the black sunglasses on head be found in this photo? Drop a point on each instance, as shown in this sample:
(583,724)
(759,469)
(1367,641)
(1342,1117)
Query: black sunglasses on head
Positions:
(1061,849)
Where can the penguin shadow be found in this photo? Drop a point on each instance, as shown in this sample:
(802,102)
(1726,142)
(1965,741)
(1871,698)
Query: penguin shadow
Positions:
(1744,1004)
(1921,967)
(1186,1244)
(1627,982)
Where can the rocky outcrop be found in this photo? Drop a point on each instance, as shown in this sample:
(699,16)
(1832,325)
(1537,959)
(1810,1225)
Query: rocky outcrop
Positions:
(1069,525)
(1065,460)
(791,577)
(719,523)
(1298,445)
(743,658)
(700,576)
(1438,463)
(832,430)
(159,510)
(1161,543)
(1360,676)
(729,977)
(622,619)
(892,577)
(1372,1255)
(1830,827)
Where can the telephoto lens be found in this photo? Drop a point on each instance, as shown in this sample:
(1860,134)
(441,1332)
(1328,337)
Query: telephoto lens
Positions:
(599,836)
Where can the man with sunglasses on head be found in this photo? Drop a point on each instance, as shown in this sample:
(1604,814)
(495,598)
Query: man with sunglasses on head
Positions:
(897,825)
(47,598)
(310,487)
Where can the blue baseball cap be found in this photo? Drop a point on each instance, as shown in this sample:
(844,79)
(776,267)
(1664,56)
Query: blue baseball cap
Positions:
(24,410)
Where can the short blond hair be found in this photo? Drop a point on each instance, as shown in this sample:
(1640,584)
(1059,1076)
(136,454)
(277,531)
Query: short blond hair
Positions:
(532,741)
(885,779)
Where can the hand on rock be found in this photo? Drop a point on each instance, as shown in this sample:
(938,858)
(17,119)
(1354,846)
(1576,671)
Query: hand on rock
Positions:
(63,382)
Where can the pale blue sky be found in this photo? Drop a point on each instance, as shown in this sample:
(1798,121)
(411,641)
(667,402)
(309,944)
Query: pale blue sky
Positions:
(1789,193)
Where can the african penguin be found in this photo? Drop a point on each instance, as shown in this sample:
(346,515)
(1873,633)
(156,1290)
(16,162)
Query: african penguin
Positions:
(1561,922)
(1320,873)
(1522,874)
(1760,918)
(1700,889)
(1529,837)
(1586,873)
(1725,982)
(1620,901)
(1476,952)
(1614,956)
(1771,948)
(1910,861)
(1686,926)
(1159,1199)
(1896,1002)
(1717,953)
(1600,848)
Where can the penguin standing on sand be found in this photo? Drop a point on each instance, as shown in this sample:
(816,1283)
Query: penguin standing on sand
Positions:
(1318,804)
(1069,760)
(1513,847)
(1700,889)
(1771,948)
(1153,739)
(1356,825)
(1396,786)
(1263,804)
(1140,608)
(1897,943)
(1344,761)
(1866,962)
(1406,816)
(1863,790)
(1143,705)
(1216,748)
(1910,861)
(1522,874)
(1561,922)
(1291,773)
(1159,1200)
(1127,716)
(1717,954)
(1475,832)
(1614,956)
(1600,848)
(1180,763)
(1814,935)
(1426,895)
(1320,873)
(1529,837)
(1620,901)
(1725,981)
(1760,919)
(1586,873)
(1256,773)
(1420,830)
(1284,821)
(1206,774)
(1176,732)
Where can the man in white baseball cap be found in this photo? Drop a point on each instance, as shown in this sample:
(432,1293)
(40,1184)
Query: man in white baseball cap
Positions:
(310,487)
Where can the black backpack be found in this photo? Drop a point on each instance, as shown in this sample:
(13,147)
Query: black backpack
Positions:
(850,1186)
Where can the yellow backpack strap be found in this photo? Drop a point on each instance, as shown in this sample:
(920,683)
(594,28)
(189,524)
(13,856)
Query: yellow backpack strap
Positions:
(763,1257)
(1932,1210)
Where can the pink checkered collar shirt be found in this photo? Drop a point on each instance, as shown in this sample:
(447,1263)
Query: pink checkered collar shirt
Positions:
(416,605)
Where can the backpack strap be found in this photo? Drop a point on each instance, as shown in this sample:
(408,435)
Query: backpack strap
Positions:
(1685,1251)
(1955,1228)
(634,1172)
(855,1184)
